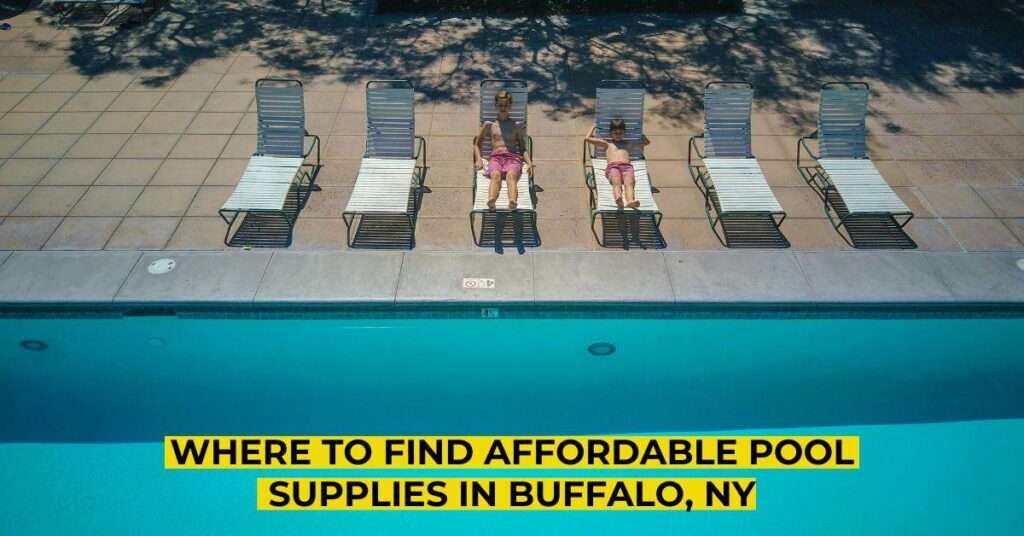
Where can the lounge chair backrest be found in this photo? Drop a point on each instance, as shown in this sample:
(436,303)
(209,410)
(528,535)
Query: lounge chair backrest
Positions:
(280,117)
(727,108)
(841,120)
(390,121)
(621,99)
(488,112)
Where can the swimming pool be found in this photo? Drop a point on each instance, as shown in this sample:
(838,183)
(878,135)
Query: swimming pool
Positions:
(938,402)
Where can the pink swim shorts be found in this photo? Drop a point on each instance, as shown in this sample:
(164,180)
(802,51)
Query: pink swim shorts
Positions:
(506,162)
(621,167)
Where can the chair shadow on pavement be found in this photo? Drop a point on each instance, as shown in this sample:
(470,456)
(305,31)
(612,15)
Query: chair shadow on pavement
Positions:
(387,231)
(871,231)
(503,229)
(748,231)
(626,231)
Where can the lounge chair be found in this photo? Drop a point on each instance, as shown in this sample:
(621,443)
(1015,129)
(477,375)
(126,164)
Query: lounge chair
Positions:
(619,99)
(730,178)
(526,204)
(843,176)
(280,159)
(391,173)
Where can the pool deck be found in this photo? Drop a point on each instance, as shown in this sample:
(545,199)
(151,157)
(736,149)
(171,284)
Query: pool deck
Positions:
(119,144)
(269,278)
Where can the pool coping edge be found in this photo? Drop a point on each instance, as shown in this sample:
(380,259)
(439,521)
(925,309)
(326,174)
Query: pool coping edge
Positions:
(312,279)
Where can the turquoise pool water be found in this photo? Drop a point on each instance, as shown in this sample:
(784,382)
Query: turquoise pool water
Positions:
(938,403)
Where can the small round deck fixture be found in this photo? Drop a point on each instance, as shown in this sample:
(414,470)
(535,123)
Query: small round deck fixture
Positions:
(161,266)
(33,345)
(601,349)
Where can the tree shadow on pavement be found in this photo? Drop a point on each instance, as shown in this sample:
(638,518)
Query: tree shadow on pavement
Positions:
(785,48)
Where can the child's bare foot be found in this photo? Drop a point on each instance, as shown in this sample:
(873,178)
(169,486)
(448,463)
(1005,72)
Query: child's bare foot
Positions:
(633,204)
(512,205)
(618,201)
(491,203)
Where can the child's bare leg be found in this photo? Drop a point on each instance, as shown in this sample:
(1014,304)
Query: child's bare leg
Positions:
(629,180)
(615,177)
(512,182)
(493,189)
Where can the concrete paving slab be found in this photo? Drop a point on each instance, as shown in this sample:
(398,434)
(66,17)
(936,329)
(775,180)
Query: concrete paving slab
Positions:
(732,276)
(197,277)
(329,276)
(989,277)
(600,276)
(865,276)
(64,277)
(466,277)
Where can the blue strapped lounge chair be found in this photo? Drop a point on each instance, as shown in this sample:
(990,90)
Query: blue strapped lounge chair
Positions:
(280,159)
(619,99)
(843,176)
(526,204)
(393,168)
(730,178)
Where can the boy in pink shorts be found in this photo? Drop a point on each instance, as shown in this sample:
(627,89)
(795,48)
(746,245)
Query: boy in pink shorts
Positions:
(620,170)
(503,133)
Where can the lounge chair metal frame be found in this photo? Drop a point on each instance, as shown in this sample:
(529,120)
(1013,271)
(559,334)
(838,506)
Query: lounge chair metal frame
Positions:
(261,164)
(417,178)
(819,181)
(639,161)
(705,183)
(486,109)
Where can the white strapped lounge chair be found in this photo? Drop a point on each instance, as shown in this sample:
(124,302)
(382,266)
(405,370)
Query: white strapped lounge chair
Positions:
(730,178)
(527,198)
(394,165)
(842,174)
(280,158)
(619,99)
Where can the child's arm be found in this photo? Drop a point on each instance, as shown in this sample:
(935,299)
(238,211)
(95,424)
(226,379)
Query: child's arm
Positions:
(640,144)
(521,134)
(478,160)
(595,141)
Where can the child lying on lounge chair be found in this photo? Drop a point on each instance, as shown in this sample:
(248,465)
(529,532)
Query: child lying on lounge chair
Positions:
(619,170)
(508,152)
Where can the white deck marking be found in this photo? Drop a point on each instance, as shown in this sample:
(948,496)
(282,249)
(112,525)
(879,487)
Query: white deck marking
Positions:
(474,283)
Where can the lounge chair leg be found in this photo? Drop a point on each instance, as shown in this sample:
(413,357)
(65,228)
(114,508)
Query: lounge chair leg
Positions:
(472,228)
(593,228)
(657,229)
(412,230)
(536,230)
(230,222)
(778,227)
(291,228)
(349,219)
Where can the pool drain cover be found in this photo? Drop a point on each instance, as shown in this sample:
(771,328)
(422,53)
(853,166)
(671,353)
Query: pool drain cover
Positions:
(34,346)
(161,266)
(601,349)
(1020,264)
